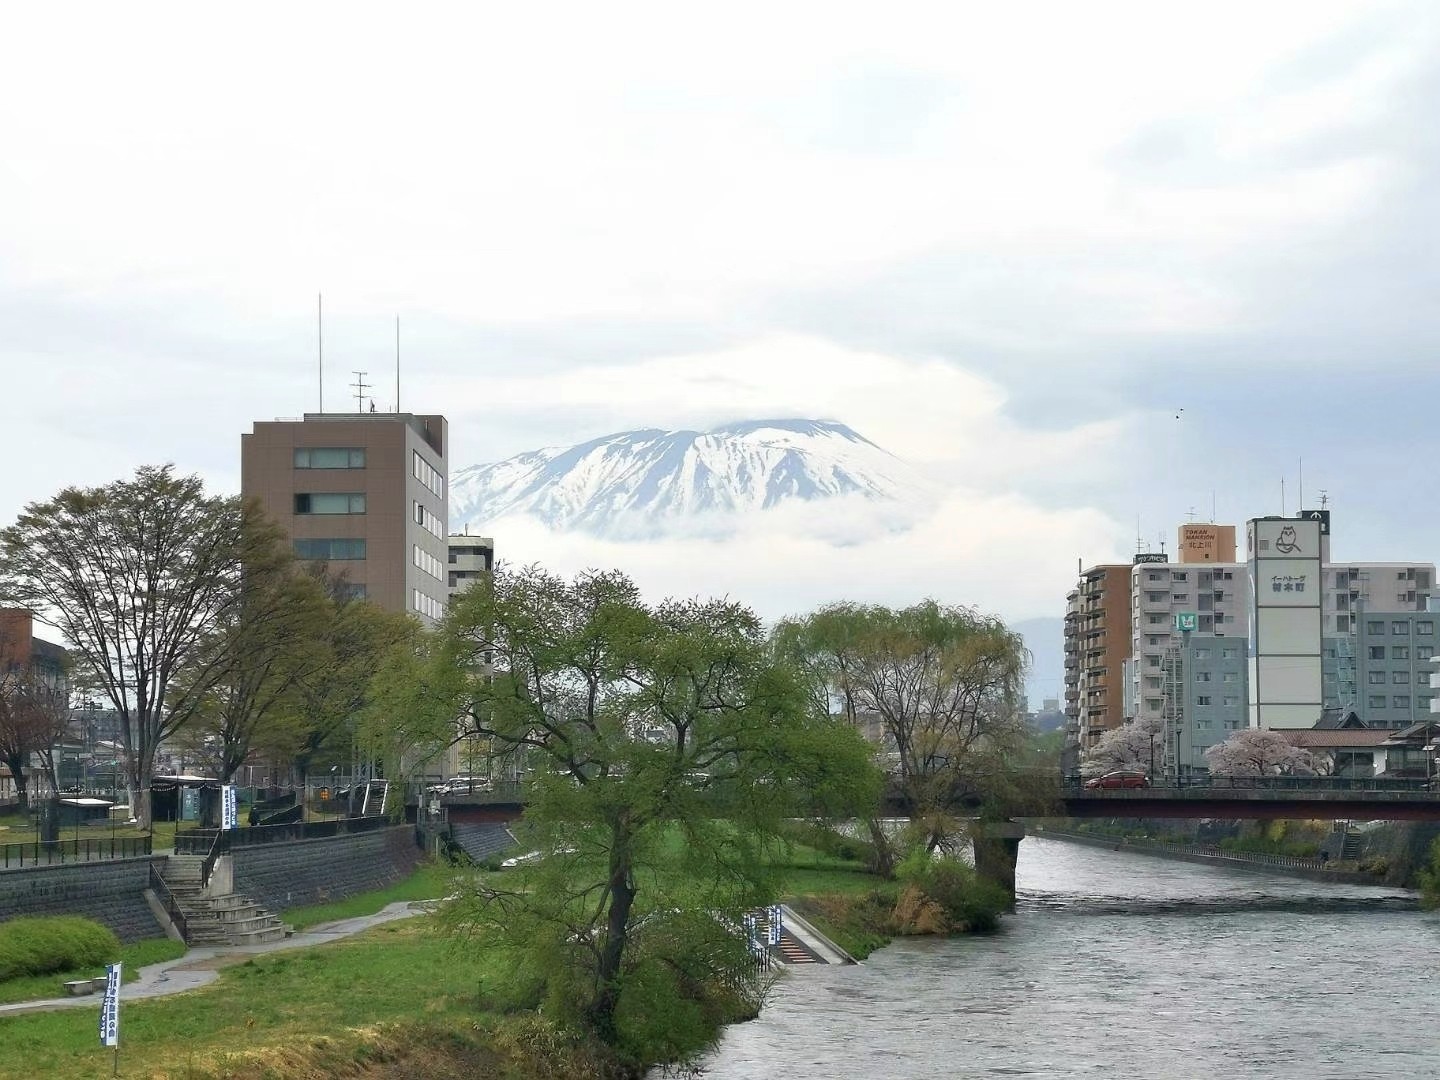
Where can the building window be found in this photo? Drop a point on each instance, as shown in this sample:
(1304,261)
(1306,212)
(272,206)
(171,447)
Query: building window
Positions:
(1376,701)
(427,520)
(1232,701)
(1424,652)
(1156,620)
(1375,626)
(426,605)
(329,457)
(1229,676)
(1180,598)
(1152,661)
(1230,652)
(1152,684)
(1400,678)
(1399,652)
(1202,676)
(1376,678)
(1179,575)
(1202,654)
(1152,704)
(427,474)
(1400,629)
(1400,701)
(333,550)
(1425,628)
(1203,699)
(348,590)
(330,503)
(1422,702)
(427,562)
(1342,623)
(1377,652)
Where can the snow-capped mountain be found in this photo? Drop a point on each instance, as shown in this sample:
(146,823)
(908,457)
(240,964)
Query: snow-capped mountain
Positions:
(640,483)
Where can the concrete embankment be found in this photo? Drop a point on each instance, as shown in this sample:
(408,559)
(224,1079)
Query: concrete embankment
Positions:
(1282,865)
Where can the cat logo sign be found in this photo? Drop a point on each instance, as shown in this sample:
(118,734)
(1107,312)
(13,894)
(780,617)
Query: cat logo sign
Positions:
(1186,621)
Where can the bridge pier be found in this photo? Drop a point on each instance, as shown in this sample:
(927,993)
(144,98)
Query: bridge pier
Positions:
(997,849)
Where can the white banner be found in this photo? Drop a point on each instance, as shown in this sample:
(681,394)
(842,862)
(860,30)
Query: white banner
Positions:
(229,817)
(110,1008)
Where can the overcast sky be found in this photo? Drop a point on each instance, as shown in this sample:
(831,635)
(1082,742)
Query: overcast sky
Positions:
(1008,242)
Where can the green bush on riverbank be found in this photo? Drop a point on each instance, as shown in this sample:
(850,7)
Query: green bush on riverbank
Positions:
(33,945)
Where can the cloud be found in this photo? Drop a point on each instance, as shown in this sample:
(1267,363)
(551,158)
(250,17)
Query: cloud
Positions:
(997,552)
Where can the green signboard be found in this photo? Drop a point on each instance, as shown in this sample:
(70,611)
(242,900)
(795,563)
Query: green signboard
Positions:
(1186,621)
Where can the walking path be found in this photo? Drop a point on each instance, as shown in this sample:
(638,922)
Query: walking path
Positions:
(199,967)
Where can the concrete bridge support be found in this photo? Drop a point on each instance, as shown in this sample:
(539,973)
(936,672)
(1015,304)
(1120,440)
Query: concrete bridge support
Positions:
(997,849)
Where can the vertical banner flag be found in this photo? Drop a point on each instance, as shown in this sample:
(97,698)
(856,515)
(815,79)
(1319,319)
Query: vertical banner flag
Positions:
(110,1008)
(775,925)
(229,818)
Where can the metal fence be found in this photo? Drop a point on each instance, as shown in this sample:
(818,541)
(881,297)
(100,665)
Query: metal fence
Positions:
(201,841)
(53,852)
(1269,783)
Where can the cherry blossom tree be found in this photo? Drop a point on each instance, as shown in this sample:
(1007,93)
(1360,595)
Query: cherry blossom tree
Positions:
(1137,745)
(1254,752)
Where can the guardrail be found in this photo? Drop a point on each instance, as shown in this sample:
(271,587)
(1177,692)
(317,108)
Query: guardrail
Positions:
(1073,784)
(168,901)
(52,852)
(202,841)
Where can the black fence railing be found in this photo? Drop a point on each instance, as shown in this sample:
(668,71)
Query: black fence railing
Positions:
(1264,783)
(167,900)
(53,852)
(202,841)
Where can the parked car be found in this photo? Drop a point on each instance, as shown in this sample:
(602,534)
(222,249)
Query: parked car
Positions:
(467,785)
(1120,778)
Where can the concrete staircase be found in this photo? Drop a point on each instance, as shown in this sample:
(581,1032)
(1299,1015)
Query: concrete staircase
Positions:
(210,919)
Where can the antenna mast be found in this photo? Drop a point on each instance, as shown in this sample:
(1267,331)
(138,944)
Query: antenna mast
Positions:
(360,386)
(320,343)
(397,363)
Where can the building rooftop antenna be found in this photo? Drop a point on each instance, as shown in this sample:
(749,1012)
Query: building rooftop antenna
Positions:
(1324,499)
(360,386)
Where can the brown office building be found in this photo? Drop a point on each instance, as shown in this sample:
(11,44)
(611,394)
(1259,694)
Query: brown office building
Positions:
(1207,543)
(364,493)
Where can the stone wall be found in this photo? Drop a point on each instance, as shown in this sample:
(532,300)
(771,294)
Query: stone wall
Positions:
(110,892)
(282,876)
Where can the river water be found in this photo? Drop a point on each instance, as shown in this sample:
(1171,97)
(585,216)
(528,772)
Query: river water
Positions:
(1122,965)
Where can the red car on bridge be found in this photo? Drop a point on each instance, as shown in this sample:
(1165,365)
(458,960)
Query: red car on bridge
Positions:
(1120,778)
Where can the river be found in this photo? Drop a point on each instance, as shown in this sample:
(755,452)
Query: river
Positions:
(1122,965)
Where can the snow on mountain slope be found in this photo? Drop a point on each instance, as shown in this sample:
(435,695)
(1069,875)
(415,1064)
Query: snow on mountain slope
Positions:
(643,483)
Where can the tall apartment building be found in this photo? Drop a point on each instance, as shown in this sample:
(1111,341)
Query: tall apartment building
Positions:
(1097,637)
(1353,588)
(364,493)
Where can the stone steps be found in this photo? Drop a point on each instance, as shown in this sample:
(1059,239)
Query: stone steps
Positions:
(229,919)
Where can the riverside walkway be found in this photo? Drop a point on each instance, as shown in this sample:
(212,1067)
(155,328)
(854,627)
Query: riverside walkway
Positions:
(200,967)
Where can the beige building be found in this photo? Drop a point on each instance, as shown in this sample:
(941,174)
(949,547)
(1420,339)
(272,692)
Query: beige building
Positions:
(1199,542)
(1097,644)
(364,493)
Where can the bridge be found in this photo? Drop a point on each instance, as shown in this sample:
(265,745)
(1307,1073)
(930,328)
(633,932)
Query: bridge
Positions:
(1295,797)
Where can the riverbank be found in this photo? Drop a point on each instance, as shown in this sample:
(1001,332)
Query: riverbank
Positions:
(1284,865)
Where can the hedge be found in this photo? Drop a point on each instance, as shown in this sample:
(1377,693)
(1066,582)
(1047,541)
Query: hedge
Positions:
(33,945)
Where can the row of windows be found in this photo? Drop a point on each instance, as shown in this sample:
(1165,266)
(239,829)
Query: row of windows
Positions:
(1399,678)
(426,605)
(428,521)
(1401,627)
(428,475)
(329,457)
(1205,699)
(1397,652)
(1397,701)
(332,550)
(1230,676)
(330,503)
(1229,652)
(427,562)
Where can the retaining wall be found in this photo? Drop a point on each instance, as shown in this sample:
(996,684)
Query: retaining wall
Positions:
(281,876)
(110,892)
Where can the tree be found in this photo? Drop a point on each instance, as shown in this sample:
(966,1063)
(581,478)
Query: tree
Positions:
(668,748)
(1255,752)
(1136,746)
(34,710)
(139,576)
(271,642)
(943,686)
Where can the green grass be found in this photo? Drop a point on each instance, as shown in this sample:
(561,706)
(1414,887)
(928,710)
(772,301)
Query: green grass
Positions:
(308,1013)
(430,882)
(133,957)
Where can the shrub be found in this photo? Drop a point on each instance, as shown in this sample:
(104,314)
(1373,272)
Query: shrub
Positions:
(43,945)
(1378,865)
(946,896)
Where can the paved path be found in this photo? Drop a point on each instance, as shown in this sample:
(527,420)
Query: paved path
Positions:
(199,967)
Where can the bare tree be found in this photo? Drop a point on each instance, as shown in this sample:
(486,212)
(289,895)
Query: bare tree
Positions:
(34,709)
(138,576)
(1253,752)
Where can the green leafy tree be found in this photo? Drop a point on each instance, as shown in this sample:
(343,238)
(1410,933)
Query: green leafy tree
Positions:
(139,576)
(937,689)
(668,748)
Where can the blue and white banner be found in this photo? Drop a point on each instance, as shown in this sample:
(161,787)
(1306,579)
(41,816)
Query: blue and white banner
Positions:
(229,815)
(775,926)
(110,1008)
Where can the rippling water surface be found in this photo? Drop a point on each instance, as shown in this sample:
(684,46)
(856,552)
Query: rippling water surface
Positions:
(1116,964)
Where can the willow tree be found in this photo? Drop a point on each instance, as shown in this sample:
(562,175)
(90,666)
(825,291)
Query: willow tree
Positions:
(139,576)
(667,748)
(938,690)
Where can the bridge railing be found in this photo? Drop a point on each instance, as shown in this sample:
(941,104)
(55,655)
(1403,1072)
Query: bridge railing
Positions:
(1220,784)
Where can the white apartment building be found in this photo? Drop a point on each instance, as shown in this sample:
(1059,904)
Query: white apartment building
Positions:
(1352,588)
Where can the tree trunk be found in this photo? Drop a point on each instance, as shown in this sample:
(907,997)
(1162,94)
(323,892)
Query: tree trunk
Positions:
(884,862)
(617,926)
(140,807)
